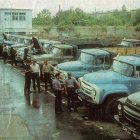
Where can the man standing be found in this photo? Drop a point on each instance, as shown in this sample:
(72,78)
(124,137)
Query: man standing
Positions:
(27,78)
(58,93)
(4,52)
(46,71)
(35,75)
(70,83)
(13,56)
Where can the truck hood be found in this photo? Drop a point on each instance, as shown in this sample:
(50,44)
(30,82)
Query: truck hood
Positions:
(42,56)
(135,98)
(73,66)
(105,77)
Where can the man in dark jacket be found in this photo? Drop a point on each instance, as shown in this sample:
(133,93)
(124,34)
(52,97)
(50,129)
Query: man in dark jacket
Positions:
(58,93)
(27,78)
(13,56)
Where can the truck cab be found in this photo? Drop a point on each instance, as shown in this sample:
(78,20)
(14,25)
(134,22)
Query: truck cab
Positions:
(103,88)
(90,60)
(59,53)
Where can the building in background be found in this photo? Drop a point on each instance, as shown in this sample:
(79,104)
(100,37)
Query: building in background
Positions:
(16,20)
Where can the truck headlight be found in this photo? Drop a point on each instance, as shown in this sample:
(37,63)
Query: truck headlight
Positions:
(120,113)
(119,107)
(94,92)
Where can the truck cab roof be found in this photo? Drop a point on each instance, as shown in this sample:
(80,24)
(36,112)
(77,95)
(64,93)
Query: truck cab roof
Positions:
(132,59)
(129,43)
(63,46)
(96,52)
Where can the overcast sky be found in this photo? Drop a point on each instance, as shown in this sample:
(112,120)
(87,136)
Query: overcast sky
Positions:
(86,5)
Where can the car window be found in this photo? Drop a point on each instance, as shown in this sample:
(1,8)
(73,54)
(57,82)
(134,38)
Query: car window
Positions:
(67,52)
(103,59)
(138,71)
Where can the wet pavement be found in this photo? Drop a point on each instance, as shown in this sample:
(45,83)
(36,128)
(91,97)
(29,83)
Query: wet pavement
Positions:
(33,117)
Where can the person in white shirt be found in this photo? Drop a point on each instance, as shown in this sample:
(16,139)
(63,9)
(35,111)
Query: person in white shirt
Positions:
(46,71)
(35,68)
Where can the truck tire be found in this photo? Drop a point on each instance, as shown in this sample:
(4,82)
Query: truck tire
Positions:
(110,108)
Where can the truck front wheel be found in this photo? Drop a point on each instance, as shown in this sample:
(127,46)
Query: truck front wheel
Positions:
(110,108)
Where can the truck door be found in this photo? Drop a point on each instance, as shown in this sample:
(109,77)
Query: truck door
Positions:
(101,63)
(135,81)
(67,55)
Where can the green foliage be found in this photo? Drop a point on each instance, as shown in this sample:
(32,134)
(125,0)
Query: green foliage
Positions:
(136,18)
(47,28)
(43,18)
(138,27)
(66,28)
(66,20)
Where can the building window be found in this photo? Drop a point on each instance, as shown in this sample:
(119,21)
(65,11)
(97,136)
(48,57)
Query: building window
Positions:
(22,16)
(7,13)
(17,16)
(14,16)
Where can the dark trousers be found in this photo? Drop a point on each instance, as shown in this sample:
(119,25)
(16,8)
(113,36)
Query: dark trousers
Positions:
(35,79)
(4,56)
(71,98)
(13,61)
(58,101)
(47,79)
(27,83)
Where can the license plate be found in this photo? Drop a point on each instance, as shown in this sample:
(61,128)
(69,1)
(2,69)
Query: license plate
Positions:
(80,98)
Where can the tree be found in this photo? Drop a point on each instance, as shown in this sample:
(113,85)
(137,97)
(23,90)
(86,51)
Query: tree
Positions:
(124,8)
(136,18)
(43,18)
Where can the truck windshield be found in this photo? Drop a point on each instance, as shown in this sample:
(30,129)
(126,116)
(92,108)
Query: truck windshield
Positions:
(123,68)
(57,51)
(27,41)
(87,58)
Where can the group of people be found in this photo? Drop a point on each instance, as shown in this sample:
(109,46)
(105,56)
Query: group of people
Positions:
(68,88)
(32,72)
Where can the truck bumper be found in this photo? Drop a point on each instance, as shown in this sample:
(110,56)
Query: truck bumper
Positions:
(131,130)
(85,99)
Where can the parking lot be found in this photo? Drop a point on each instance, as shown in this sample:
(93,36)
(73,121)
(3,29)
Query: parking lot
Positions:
(33,116)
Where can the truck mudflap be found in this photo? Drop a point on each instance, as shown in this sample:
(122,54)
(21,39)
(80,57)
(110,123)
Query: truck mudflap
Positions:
(84,98)
(131,130)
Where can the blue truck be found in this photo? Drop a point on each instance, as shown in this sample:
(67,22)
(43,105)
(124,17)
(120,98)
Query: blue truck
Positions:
(128,116)
(102,89)
(90,60)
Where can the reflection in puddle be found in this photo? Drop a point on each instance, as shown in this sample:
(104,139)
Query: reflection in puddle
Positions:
(32,100)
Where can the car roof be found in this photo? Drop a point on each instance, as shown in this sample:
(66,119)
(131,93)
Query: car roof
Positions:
(97,52)
(132,59)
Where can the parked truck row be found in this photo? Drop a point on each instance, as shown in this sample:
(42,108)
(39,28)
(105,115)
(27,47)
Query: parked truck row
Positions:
(104,77)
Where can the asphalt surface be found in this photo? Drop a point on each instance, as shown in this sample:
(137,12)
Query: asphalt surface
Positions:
(33,117)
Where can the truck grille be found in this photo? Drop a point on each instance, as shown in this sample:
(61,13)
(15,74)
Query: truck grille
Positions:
(132,112)
(86,88)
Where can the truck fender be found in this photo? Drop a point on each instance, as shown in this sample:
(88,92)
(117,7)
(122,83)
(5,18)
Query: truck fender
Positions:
(115,94)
